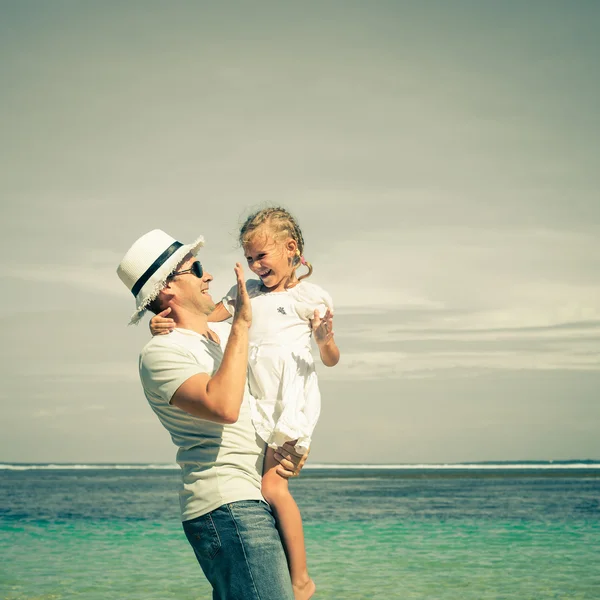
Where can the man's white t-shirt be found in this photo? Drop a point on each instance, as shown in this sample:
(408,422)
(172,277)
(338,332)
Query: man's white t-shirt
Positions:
(220,463)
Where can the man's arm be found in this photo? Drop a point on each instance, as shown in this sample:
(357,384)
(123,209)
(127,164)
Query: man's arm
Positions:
(219,398)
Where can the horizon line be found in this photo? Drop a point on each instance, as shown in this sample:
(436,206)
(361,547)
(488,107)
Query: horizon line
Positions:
(506,464)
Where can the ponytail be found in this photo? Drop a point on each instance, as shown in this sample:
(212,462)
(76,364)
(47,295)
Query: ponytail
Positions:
(300,260)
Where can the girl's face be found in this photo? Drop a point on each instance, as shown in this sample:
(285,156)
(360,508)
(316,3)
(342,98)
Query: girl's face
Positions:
(271,259)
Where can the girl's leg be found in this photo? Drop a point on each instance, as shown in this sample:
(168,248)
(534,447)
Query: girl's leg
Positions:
(289,522)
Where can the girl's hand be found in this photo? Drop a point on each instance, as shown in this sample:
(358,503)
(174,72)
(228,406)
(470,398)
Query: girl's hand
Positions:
(322,328)
(160,325)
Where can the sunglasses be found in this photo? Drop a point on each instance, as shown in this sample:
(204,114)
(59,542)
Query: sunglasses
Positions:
(195,269)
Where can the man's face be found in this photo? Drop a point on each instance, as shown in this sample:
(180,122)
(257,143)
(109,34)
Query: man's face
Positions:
(190,291)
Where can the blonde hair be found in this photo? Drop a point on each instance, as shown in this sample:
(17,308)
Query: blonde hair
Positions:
(281,223)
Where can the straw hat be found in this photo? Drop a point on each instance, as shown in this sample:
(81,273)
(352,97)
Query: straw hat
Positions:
(147,265)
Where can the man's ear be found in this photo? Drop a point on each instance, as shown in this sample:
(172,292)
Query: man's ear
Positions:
(166,294)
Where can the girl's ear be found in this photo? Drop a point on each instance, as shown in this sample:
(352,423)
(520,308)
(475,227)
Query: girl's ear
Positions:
(291,246)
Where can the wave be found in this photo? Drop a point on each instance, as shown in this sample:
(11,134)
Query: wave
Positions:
(577,464)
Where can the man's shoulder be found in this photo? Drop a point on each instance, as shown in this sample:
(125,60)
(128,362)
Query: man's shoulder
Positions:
(183,341)
(181,352)
(179,341)
(162,342)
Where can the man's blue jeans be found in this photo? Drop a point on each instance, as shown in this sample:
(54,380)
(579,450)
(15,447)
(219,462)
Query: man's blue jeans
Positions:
(240,552)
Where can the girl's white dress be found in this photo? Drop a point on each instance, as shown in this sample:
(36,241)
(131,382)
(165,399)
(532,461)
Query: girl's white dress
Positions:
(285,397)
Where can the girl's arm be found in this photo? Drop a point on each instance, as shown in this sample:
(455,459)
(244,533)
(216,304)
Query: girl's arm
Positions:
(160,324)
(219,314)
(322,329)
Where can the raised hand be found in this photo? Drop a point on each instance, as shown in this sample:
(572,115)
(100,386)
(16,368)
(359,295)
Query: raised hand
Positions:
(160,325)
(322,328)
(243,309)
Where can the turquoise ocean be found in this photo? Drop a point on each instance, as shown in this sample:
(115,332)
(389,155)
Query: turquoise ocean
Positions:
(444,532)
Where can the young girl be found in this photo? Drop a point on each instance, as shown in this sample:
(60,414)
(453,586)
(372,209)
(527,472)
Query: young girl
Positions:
(286,312)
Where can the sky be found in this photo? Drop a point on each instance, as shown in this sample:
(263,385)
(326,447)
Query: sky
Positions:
(440,157)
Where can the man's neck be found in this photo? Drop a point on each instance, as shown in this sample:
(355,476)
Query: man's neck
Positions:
(193,322)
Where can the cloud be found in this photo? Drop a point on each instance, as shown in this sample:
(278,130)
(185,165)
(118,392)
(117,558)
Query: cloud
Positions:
(84,373)
(435,344)
(459,363)
(92,270)
(441,163)
(62,411)
(501,278)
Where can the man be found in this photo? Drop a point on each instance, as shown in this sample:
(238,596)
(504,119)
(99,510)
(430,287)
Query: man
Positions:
(195,381)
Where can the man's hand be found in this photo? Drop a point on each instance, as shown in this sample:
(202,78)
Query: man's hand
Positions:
(290,462)
(243,309)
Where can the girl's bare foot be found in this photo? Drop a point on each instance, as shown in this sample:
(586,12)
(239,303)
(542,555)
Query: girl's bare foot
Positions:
(305,590)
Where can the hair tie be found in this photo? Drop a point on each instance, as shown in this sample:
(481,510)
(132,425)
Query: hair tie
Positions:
(303,260)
